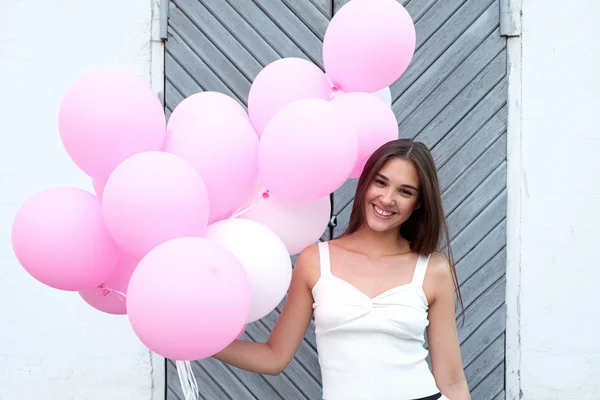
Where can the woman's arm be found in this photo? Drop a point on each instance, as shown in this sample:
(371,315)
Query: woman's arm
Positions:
(272,357)
(442,335)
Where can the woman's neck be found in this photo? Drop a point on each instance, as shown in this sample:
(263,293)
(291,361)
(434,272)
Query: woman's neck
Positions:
(379,244)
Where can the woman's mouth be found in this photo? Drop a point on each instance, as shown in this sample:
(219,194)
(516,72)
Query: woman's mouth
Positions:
(382,213)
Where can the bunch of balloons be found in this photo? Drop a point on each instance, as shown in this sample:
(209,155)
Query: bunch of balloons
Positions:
(192,223)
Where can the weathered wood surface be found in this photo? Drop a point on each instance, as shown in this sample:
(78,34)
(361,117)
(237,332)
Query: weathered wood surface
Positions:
(452,98)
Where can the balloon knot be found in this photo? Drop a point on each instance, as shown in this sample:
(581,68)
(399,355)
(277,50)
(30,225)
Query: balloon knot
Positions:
(105,289)
(266,194)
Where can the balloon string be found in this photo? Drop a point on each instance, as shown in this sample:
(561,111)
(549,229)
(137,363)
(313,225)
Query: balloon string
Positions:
(189,386)
(264,194)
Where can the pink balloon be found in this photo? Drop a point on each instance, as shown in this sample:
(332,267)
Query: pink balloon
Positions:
(374,121)
(107,116)
(60,238)
(239,336)
(111,296)
(282,82)
(202,101)
(223,148)
(307,151)
(188,299)
(98,186)
(368,45)
(297,224)
(153,197)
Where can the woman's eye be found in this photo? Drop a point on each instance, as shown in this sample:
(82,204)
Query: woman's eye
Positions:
(379,182)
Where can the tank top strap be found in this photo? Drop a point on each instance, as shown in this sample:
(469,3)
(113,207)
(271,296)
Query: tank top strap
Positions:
(324,259)
(420,270)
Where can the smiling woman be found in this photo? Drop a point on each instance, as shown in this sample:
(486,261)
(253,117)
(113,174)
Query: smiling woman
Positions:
(376,290)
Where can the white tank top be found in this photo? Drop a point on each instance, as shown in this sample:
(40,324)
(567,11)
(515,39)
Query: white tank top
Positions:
(371,348)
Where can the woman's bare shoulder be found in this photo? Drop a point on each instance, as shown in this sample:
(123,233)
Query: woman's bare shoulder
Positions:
(307,265)
(439,279)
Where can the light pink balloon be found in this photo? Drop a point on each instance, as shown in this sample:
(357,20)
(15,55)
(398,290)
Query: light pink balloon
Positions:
(111,296)
(307,151)
(98,186)
(188,299)
(222,146)
(368,45)
(298,224)
(60,238)
(202,101)
(153,197)
(282,82)
(373,120)
(107,116)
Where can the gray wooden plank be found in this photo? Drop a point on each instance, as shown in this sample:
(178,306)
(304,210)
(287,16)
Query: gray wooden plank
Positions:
(242,31)
(483,278)
(501,395)
(443,38)
(461,63)
(478,312)
(458,183)
(344,195)
(299,33)
(486,361)
(172,96)
(174,392)
(310,15)
(485,334)
(482,253)
(483,195)
(220,37)
(480,226)
(472,135)
(325,6)
(417,11)
(171,394)
(267,28)
(179,78)
(202,48)
(430,15)
(231,383)
(207,386)
(439,118)
(489,388)
(197,75)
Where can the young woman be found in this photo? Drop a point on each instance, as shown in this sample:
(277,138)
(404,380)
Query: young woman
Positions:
(375,291)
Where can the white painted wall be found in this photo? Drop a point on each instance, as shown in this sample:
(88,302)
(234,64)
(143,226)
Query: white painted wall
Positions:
(553,266)
(52,344)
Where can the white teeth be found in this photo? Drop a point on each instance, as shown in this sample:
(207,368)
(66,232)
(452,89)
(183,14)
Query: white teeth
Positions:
(381,212)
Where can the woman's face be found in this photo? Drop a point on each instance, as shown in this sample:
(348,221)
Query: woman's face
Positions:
(393,195)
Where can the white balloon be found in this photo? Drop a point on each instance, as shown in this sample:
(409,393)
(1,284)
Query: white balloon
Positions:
(385,94)
(263,255)
(298,224)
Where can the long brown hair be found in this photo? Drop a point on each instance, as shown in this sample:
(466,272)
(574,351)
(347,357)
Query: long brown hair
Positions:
(426,229)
